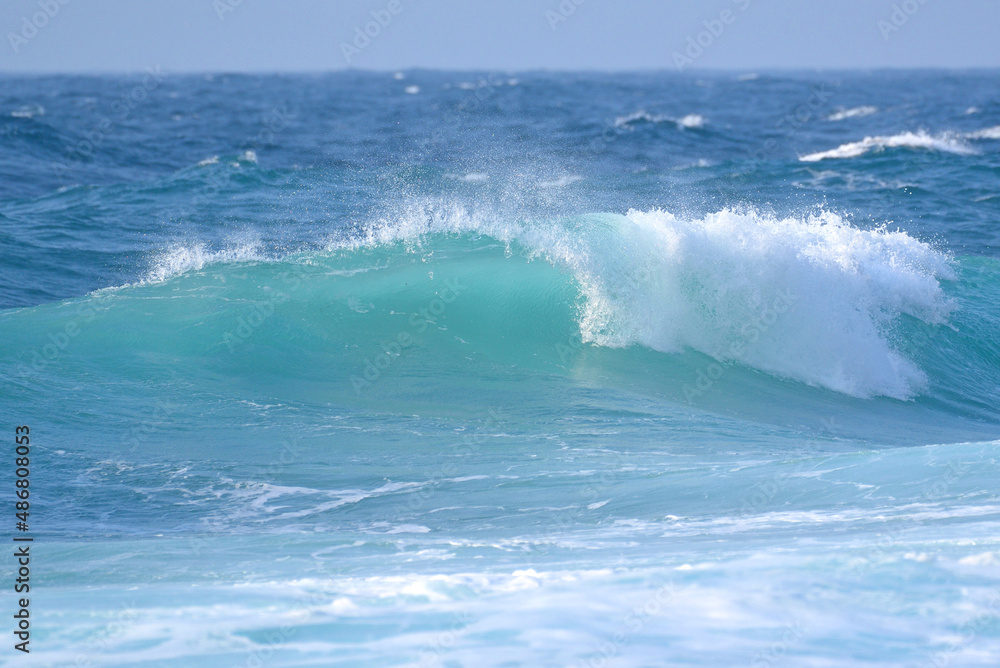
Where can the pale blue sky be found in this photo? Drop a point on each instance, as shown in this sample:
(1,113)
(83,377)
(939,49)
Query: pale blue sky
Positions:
(297,35)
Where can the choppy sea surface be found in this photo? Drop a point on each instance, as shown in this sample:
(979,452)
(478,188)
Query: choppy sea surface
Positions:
(498,369)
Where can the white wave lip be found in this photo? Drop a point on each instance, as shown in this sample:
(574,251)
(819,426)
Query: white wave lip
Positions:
(946,142)
(812,299)
(854,112)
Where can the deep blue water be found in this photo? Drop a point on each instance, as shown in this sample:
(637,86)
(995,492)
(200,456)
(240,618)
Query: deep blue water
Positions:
(436,368)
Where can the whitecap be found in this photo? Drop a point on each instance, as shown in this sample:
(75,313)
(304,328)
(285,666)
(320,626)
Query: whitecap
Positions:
(986,133)
(854,112)
(28,112)
(945,142)
(643,116)
(691,121)
(628,122)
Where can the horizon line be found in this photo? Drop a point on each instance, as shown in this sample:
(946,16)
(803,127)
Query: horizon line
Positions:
(533,70)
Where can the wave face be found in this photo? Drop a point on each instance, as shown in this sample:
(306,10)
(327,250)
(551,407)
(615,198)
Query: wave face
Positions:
(431,368)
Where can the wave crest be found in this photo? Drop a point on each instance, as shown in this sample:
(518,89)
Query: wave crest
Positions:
(181,259)
(813,299)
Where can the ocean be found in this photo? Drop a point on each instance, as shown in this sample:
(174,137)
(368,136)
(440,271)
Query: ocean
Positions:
(434,368)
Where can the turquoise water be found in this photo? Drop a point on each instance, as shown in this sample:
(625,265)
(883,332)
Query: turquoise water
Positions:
(531,369)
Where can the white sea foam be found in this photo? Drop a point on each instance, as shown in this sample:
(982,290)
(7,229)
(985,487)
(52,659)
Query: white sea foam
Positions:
(441,586)
(691,121)
(244,157)
(947,142)
(28,112)
(412,90)
(811,298)
(855,112)
(986,133)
